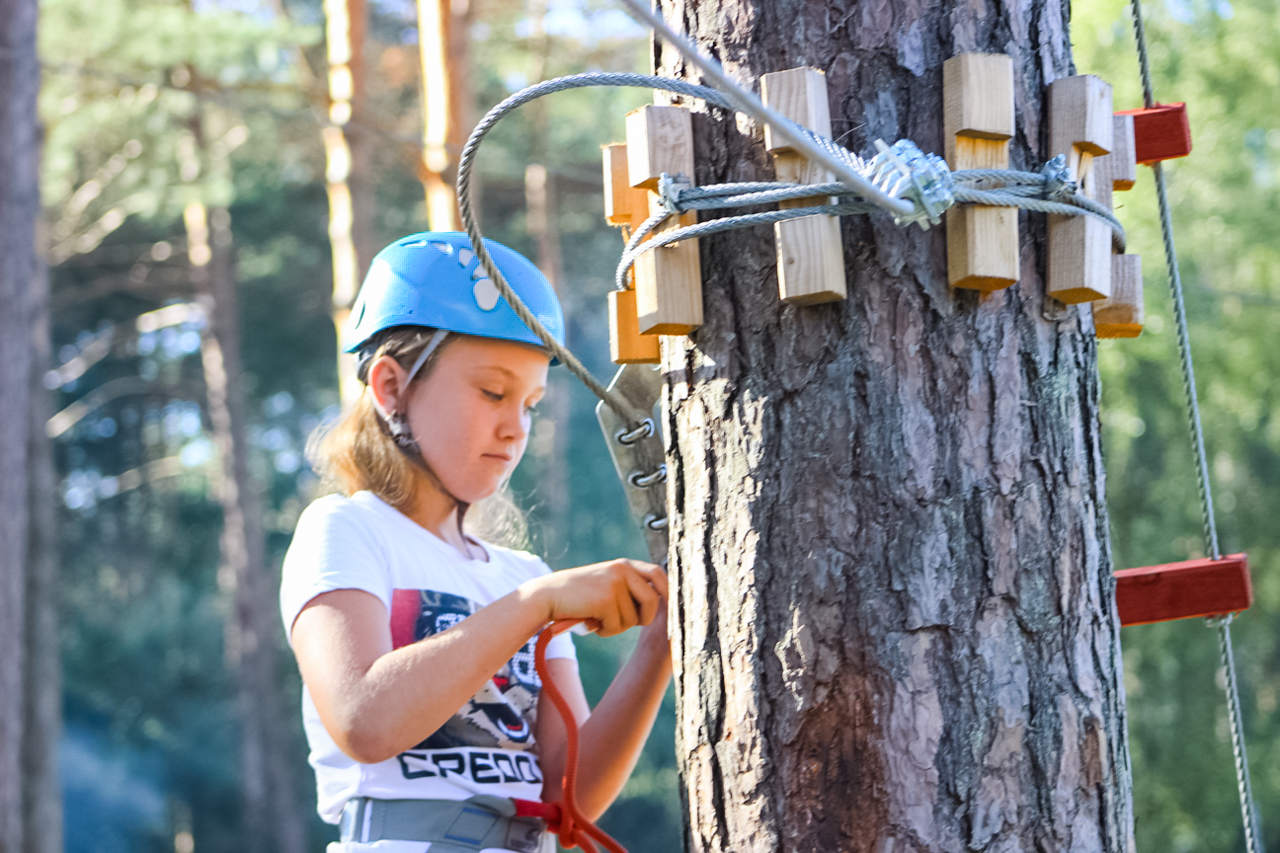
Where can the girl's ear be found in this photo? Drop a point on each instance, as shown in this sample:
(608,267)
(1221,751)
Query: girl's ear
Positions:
(386,384)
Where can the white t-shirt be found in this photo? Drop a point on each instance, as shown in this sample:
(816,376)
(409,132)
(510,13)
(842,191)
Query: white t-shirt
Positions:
(427,585)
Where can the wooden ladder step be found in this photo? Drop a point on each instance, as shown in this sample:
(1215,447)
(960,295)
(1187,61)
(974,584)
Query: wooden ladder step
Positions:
(1186,590)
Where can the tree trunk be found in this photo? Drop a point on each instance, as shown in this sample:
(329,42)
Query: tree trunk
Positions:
(349,180)
(42,724)
(443,40)
(271,819)
(19,276)
(894,617)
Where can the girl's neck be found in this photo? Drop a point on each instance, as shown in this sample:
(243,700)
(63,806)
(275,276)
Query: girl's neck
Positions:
(438,513)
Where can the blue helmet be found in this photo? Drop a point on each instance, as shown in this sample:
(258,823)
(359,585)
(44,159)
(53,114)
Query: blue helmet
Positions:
(433,279)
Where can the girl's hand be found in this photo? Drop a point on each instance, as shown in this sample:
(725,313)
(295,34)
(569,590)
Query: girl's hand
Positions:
(610,597)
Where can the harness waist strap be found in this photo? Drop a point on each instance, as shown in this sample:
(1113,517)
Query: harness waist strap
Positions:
(451,826)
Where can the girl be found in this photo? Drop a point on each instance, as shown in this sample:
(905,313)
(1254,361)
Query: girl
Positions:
(413,634)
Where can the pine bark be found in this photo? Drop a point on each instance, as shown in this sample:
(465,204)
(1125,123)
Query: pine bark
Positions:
(19,277)
(894,621)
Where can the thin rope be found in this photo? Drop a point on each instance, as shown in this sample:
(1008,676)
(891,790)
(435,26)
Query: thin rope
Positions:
(1248,810)
(465,207)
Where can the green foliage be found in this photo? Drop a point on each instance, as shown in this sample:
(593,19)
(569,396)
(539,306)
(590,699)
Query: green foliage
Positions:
(1221,58)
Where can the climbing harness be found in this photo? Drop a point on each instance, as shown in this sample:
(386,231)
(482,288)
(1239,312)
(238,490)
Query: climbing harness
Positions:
(1249,814)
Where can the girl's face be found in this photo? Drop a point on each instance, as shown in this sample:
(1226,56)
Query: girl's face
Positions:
(471,414)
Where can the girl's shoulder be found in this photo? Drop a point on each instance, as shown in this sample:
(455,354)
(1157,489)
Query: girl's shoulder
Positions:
(336,508)
(521,561)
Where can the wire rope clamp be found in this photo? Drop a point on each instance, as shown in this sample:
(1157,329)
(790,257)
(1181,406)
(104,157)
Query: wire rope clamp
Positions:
(628,207)
(1161,132)
(1080,128)
(668,279)
(978,122)
(1121,315)
(810,251)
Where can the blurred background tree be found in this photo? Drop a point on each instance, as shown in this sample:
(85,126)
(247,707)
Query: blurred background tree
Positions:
(152,107)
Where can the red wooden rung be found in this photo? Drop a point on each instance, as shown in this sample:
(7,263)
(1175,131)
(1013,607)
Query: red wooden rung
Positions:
(1184,590)
(1160,132)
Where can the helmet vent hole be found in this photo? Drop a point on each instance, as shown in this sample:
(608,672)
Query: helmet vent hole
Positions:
(486,294)
(465,256)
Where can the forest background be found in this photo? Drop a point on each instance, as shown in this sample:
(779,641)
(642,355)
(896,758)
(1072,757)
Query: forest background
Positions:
(149,106)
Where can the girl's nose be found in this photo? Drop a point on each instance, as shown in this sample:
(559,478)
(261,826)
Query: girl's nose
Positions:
(515,423)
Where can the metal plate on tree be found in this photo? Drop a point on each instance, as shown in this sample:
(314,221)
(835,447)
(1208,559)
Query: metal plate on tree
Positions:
(635,445)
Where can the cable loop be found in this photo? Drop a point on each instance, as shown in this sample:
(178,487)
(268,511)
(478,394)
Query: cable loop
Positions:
(630,437)
(643,481)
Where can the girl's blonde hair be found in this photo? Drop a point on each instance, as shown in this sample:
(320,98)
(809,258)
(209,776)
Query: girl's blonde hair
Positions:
(355,453)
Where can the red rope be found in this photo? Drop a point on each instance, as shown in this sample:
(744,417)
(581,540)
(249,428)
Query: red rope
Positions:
(563,818)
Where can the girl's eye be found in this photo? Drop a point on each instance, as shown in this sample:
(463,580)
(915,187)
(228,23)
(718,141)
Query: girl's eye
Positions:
(492,395)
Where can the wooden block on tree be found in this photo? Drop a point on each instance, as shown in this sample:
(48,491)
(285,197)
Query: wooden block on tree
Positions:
(626,206)
(977,99)
(1080,127)
(1194,588)
(669,284)
(1160,133)
(623,203)
(800,94)
(626,344)
(1080,117)
(659,139)
(982,242)
(810,250)
(669,278)
(1122,163)
(1122,314)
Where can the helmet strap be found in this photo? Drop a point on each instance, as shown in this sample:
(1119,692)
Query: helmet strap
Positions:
(397,428)
(431,347)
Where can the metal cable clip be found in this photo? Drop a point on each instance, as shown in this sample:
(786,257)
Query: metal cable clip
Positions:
(655,522)
(1058,185)
(904,171)
(669,189)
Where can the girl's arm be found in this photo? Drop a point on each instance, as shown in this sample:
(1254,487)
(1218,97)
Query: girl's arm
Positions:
(377,702)
(612,735)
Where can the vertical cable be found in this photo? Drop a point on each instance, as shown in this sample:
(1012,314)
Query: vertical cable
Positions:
(1249,814)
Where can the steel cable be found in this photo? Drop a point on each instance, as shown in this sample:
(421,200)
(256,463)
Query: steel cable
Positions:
(1248,810)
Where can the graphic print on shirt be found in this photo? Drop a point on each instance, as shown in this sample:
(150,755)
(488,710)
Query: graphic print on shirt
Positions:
(503,712)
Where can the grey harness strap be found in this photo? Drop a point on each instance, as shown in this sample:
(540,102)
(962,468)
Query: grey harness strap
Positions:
(451,826)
